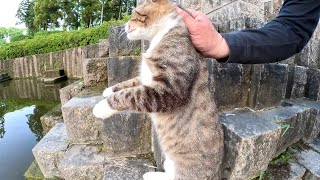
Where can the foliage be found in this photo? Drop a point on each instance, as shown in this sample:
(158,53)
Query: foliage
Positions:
(12,34)
(56,41)
(71,14)
(283,158)
(25,14)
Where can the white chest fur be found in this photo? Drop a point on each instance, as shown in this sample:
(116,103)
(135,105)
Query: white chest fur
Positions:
(145,73)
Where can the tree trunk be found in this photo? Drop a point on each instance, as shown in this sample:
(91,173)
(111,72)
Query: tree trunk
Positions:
(120,9)
(102,7)
(127,11)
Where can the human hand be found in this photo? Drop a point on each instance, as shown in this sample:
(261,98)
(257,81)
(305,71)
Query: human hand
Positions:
(204,36)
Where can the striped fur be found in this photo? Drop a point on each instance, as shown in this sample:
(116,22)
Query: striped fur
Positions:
(178,97)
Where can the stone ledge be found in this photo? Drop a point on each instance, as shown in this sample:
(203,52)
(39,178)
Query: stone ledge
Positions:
(50,150)
(82,126)
(70,91)
(51,118)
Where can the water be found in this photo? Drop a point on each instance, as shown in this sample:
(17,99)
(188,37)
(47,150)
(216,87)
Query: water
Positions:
(22,103)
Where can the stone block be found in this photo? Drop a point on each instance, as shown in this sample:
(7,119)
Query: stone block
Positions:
(310,119)
(158,155)
(127,134)
(289,171)
(297,81)
(53,80)
(33,172)
(104,48)
(311,161)
(122,68)
(51,118)
(53,73)
(120,45)
(313,84)
(127,168)
(92,51)
(315,145)
(50,151)
(231,85)
(268,85)
(83,162)
(70,91)
(250,143)
(82,126)
(309,55)
(292,121)
(95,71)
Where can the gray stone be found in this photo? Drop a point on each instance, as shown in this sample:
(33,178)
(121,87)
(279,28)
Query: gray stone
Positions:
(309,55)
(51,118)
(299,82)
(53,79)
(122,68)
(50,151)
(120,45)
(289,171)
(82,126)
(311,119)
(268,85)
(127,168)
(315,145)
(231,84)
(92,51)
(250,143)
(83,162)
(292,121)
(70,91)
(158,155)
(95,71)
(127,134)
(311,161)
(53,73)
(313,84)
(104,48)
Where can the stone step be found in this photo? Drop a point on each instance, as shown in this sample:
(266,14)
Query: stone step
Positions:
(253,138)
(52,80)
(51,118)
(310,159)
(53,73)
(70,91)
(50,150)
(85,162)
(124,133)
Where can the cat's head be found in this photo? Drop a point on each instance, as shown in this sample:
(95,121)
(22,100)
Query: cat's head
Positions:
(146,19)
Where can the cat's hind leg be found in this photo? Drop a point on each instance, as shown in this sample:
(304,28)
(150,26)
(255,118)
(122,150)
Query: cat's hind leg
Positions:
(123,85)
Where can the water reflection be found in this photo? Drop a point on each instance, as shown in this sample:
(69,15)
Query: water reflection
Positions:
(22,103)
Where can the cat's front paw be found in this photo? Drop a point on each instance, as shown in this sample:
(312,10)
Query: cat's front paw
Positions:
(107,92)
(103,110)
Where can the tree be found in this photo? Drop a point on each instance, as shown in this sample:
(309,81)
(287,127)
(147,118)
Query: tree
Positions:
(25,14)
(71,13)
(11,34)
(89,12)
(47,14)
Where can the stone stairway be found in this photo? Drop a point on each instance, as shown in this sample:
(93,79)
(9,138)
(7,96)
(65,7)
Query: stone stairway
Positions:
(259,123)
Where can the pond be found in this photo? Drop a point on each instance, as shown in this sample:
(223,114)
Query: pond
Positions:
(22,103)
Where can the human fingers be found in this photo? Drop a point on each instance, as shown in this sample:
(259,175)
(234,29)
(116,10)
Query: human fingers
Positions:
(188,19)
(194,13)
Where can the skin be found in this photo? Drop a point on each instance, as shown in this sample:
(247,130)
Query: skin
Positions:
(204,35)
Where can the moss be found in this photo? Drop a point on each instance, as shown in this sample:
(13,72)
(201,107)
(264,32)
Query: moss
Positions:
(33,172)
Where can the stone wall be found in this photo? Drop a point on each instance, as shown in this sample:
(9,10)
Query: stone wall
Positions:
(70,60)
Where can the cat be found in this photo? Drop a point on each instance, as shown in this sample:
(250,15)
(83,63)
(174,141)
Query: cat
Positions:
(173,89)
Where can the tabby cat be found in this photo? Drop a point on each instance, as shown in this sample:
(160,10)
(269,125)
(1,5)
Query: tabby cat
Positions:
(173,89)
